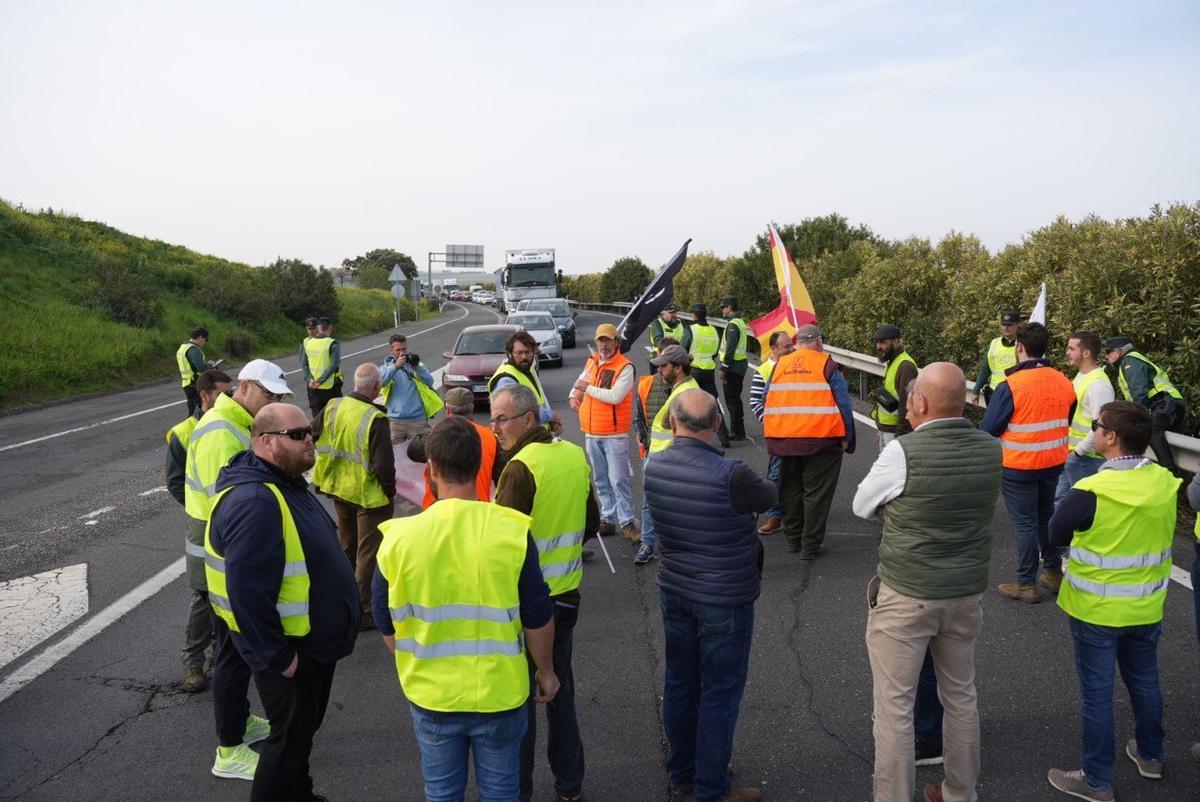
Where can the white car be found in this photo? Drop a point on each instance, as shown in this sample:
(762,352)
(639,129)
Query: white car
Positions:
(541,326)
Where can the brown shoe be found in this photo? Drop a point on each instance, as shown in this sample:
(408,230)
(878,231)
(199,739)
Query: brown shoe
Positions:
(1051,580)
(743,795)
(194,679)
(607,529)
(933,792)
(772,526)
(631,532)
(1026,593)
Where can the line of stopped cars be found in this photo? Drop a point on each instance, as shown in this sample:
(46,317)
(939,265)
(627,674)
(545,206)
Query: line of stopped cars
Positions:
(479,350)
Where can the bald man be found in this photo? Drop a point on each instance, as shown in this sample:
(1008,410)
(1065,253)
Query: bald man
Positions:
(358,473)
(935,490)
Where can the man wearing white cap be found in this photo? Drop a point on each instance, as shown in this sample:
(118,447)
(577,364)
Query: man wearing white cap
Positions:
(221,433)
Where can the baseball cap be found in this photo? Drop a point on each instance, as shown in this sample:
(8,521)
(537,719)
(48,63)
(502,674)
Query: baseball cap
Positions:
(809,331)
(1010,317)
(310,322)
(606,330)
(460,397)
(1113,343)
(887,332)
(268,374)
(673,354)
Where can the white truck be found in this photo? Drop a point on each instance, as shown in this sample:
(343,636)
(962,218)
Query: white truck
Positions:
(449,286)
(527,274)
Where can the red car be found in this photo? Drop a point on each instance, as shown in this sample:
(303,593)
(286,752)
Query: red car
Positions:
(476,355)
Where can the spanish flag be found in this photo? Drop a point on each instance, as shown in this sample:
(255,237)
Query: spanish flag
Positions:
(795,306)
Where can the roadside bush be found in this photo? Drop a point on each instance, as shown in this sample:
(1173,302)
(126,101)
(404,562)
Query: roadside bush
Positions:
(300,290)
(241,293)
(124,292)
(239,344)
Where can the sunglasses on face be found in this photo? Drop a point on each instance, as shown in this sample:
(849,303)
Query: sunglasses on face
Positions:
(1098,425)
(270,395)
(298,434)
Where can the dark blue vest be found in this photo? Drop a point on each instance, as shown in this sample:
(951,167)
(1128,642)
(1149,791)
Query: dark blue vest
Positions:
(709,553)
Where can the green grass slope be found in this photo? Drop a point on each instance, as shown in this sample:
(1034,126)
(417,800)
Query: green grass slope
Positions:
(60,278)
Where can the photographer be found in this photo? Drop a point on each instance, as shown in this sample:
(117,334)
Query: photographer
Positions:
(406,412)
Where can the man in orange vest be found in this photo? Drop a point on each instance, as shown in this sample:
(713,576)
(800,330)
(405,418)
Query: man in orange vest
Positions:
(460,403)
(603,397)
(1031,413)
(809,423)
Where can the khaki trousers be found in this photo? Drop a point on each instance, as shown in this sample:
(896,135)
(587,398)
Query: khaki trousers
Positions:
(358,530)
(407,430)
(899,628)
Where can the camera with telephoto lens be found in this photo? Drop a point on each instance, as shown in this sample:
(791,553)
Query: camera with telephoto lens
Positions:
(414,360)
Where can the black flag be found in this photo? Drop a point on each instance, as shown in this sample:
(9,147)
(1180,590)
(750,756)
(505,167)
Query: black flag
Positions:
(653,300)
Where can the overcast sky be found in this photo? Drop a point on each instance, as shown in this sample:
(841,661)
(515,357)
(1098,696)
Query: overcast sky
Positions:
(252,130)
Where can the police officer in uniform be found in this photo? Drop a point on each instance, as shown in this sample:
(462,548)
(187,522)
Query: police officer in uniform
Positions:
(891,405)
(190,359)
(1001,355)
(310,333)
(1145,383)
(667,324)
(733,366)
(703,342)
(321,363)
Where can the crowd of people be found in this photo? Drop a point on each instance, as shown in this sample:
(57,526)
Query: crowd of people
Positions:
(475,590)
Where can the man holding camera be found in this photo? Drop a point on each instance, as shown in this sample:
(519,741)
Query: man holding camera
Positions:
(891,400)
(400,371)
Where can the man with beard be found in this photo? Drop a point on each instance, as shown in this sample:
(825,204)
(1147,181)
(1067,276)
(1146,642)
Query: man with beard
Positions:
(278,580)
(519,369)
(891,400)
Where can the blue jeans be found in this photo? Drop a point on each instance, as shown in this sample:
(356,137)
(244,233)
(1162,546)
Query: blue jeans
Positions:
(1077,468)
(609,457)
(1135,651)
(708,657)
(927,707)
(773,475)
(1030,505)
(649,537)
(1196,587)
(446,738)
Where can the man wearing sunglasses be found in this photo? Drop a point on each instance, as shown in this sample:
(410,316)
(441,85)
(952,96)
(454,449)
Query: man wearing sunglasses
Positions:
(281,585)
(221,433)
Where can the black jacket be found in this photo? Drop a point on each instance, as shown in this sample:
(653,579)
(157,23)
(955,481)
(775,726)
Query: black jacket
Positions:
(247,530)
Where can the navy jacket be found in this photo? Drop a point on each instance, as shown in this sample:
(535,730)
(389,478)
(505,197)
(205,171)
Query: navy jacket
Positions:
(247,529)
(704,507)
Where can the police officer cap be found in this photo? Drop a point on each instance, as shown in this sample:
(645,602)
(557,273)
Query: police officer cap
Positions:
(324,322)
(1113,343)
(310,322)
(729,301)
(673,354)
(699,309)
(670,308)
(1010,317)
(887,332)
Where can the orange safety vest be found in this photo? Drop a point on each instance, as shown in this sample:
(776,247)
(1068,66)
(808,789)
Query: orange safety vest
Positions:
(597,417)
(800,402)
(643,391)
(1036,437)
(483,479)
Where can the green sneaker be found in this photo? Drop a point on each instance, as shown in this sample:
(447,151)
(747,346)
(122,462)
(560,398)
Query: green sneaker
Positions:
(235,762)
(257,729)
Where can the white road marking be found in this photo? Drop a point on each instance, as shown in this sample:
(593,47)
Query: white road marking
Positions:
(120,418)
(89,629)
(1181,576)
(95,513)
(33,608)
(153,490)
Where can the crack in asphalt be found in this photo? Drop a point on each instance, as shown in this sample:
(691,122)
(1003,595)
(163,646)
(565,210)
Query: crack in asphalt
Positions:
(793,639)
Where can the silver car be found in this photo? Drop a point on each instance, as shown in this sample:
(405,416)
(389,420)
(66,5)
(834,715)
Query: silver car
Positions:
(541,325)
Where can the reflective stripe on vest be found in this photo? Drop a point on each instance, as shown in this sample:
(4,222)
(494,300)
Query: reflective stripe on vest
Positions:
(563,479)
(1081,424)
(319,351)
(1000,357)
(452,574)
(186,374)
(674,332)
(222,432)
(799,402)
(1118,570)
(292,601)
(530,381)
(704,346)
(660,429)
(880,414)
(183,430)
(1036,437)
(743,332)
(1162,384)
(343,467)
(596,416)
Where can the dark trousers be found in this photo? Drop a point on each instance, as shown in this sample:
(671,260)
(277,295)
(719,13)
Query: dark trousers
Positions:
(1196,586)
(193,398)
(564,746)
(733,402)
(1166,415)
(1030,503)
(199,633)
(317,399)
(707,379)
(230,684)
(806,488)
(927,708)
(296,708)
(708,659)
(1135,651)
(358,530)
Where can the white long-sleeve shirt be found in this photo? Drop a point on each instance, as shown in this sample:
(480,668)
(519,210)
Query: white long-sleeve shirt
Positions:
(885,481)
(1099,394)
(622,386)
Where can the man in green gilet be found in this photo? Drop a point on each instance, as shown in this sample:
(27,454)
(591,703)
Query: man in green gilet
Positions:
(891,399)
(935,490)
(549,480)
(1119,524)
(1143,382)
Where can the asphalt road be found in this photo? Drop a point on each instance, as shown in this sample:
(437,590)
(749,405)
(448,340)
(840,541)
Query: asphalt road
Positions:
(108,721)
